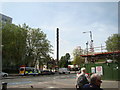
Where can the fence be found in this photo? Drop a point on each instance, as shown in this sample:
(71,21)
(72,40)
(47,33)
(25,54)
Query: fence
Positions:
(109,71)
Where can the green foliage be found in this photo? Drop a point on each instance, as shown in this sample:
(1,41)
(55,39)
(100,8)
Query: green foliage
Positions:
(0,41)
(51,64)
(77,58)
(113,43)
(38,47)
(64,61)
(14,44)
(23,45)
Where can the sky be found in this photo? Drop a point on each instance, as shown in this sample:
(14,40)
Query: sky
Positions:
(72,19)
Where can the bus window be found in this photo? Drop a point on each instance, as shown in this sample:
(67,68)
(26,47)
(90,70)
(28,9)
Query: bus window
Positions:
(21,69)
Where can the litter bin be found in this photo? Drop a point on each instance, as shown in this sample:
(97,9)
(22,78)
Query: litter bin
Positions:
(4,86)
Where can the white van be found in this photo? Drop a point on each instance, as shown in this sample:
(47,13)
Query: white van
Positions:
(64,71)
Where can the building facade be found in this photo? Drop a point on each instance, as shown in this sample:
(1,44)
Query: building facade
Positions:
(5,19)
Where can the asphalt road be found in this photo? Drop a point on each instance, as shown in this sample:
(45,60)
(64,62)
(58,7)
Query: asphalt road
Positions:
(49,82)
(26,81)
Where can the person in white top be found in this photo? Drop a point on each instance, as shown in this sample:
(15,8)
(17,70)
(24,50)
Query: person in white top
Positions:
(82,71)
(82,78)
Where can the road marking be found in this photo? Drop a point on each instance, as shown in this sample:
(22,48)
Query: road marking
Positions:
(16,83)
(52,87)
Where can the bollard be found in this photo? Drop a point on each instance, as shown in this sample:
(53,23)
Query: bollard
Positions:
(4,86)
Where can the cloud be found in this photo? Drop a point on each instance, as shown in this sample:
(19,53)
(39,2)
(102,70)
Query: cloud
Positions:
(72,19)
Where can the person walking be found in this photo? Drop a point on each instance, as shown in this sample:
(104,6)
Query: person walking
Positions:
(81,79)
(95,83)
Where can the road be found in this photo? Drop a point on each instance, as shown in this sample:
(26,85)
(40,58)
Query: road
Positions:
(44,81)
(49,82)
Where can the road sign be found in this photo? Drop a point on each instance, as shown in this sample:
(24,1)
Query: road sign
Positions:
(99,70)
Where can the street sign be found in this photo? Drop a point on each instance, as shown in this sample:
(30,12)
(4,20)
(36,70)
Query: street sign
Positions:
(99,70)
(92,69)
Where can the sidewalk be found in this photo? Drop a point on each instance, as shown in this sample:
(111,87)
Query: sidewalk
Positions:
(110,84)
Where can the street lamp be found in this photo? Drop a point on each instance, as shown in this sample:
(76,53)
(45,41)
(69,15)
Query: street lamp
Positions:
(86,59)
(91,42)
(87,47)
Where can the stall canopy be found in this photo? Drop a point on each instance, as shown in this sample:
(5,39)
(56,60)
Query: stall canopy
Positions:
(116,53)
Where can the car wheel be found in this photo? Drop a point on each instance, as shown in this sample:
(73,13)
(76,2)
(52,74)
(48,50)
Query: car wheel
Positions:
(5,75)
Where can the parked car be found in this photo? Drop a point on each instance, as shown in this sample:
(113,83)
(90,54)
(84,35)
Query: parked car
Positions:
(47,72)
(64,71)
(3,74)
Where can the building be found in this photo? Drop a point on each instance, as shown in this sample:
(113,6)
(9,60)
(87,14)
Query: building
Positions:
(5,19)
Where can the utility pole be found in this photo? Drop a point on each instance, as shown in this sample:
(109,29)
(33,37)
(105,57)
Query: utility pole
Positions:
(58,47)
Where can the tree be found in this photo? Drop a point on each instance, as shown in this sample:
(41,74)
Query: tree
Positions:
(23,45)
(14,44)
(113,43)
(0,47)
(64,60)
(38,47)
(77,58)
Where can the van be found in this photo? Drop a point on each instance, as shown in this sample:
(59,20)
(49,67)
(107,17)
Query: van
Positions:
(64,71)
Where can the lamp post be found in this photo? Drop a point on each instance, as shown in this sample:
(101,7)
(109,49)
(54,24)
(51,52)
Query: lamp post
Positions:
(87,47)
(86,59)
(91,41)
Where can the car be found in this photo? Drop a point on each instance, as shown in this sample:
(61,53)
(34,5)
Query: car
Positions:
(64,71)
(3,74)
(47,72)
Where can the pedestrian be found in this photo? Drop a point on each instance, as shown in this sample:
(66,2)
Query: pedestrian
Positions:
(81,79)
(95,83)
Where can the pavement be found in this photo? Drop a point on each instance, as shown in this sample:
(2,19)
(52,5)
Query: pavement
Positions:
(110,84)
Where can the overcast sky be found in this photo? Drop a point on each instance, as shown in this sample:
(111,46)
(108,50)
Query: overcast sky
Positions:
(72,19)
